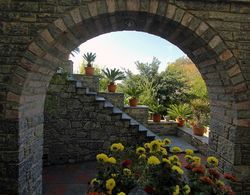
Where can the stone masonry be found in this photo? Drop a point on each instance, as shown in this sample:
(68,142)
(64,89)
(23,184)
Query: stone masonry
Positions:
(77,127)
(36,37)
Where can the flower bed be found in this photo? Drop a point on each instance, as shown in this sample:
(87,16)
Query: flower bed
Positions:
(156,169)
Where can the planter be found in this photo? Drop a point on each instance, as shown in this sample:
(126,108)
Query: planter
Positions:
(197,130)
(89,71)
(112,87)
(156,117)
(180,121)
(133,102)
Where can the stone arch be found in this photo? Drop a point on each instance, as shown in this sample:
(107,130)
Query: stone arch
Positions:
(51,47)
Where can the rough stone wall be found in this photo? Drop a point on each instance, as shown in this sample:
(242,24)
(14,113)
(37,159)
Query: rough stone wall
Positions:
(77,127)
(163,128)
(140,113)
(37,36)
(90,82)
(117,99)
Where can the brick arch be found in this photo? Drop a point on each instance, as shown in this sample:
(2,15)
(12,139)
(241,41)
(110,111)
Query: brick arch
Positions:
(51,47)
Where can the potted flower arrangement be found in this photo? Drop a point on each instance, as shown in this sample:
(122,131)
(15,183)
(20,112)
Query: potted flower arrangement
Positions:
(180,113)
(90,58)
(150,169)
(133,92)
(113,75)
(200,116)
(156,110)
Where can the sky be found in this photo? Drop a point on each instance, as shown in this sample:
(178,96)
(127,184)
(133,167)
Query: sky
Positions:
(122,49)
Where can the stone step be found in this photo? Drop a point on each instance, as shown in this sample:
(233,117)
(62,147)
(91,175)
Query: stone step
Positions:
(117,111)
(100,99)
(126,117)
(108,105)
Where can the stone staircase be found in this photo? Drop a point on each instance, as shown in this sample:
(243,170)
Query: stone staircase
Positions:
(80,124)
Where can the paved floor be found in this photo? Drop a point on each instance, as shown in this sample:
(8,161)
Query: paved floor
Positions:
(71,179)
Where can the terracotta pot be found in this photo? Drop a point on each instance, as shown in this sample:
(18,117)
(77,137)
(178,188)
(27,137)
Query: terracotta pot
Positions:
(89,71)
(180,121)
(198,130)
(156,117)
(133,102)
(112,87)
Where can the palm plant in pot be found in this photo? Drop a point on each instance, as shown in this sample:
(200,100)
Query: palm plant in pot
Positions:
(180,113)
(156,109)
(200,116)
(89,57)
(133,92)
(113,75)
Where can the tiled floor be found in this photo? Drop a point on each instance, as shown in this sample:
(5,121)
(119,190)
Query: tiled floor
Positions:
(71,179)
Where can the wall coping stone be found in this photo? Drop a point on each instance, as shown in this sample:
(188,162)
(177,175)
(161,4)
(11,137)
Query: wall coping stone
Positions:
(136,107)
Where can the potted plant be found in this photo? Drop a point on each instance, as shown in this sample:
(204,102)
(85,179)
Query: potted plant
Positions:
(180,113)
(133,92)
(113,75)
(156,110)
(90,58)
(200,116)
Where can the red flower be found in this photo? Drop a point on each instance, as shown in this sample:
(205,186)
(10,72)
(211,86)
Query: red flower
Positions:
(229,177)
(93,193)
(229,190)
(149,189)
(127,163)
(207,180)
(199,169)
(214,173)
(189,166)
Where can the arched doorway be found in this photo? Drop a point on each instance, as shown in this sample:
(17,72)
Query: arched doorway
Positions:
(51,47)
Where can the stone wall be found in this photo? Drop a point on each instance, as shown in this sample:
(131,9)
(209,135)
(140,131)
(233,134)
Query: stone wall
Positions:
(163,128)
(140,113)
(36,37)
(77,127)
(117,99)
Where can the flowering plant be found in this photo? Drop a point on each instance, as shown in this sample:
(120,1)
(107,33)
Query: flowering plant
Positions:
(152,169)
(207,179)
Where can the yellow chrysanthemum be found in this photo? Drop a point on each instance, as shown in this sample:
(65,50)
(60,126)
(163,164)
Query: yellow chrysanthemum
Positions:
(111,160)
(186,189)
(164,151)
(189,151)
(121,193)
(140,150)
(177,169)
(188,157)
(102,157)
(146,145)
(116,147)
(174,158)
(127,172)
(95,181)
(154,146)
(166,141)
(113,175)
(165,160)
(110,184)
(213,161)
(197,160)
(177,163)
(142,156)
(153,160)
(176,149)
(176,190)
